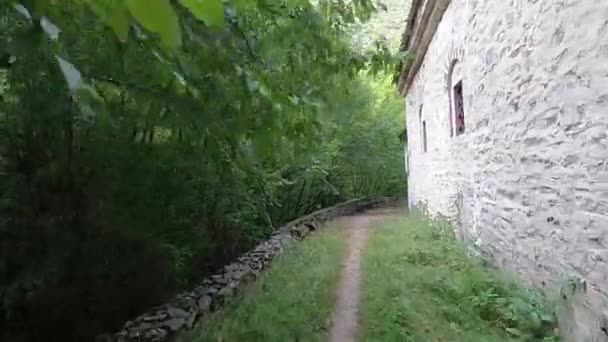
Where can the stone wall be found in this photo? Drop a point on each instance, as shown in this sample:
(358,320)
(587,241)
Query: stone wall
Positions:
(163,322)
(527,183)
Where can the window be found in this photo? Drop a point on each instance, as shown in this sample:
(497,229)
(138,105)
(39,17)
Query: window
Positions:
(424,146)
(455,95)
(422,130)
(458,108)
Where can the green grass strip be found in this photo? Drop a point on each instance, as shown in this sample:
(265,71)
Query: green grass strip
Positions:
(292,301)
(420,285)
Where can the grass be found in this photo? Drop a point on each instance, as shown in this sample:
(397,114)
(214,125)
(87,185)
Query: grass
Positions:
(292,301)
(420,285)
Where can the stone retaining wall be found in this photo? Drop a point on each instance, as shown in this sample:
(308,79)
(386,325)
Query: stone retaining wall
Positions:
(216,290)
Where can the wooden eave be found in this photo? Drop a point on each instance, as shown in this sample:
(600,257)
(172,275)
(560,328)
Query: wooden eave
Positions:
(421,25)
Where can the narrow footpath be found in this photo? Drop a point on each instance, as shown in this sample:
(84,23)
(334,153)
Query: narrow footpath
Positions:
(345,317)
(382,276)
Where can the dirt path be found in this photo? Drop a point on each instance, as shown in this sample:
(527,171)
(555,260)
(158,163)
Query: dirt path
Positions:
(345,315)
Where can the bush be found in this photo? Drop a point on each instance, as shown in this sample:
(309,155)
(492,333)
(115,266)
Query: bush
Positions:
(130,169)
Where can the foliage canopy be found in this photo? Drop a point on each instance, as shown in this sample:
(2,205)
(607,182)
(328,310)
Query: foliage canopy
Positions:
(146,142)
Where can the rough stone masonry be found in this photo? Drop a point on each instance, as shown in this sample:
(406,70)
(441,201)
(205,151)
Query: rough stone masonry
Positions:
(527,181)
(165,321)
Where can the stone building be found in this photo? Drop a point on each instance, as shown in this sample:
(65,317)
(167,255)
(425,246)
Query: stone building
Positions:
(507,122)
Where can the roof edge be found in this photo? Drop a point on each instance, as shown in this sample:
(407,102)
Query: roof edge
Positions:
(417,38)
(405,37)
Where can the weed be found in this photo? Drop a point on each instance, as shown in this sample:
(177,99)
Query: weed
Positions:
(291,302)
(420,285)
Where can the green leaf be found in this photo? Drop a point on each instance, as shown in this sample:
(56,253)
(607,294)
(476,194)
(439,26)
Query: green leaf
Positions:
(27,41)
(211,12)
(158,16)
(41,7)
(119,22)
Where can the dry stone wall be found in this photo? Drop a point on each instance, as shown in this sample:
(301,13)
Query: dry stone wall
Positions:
(163,322)
(527,183)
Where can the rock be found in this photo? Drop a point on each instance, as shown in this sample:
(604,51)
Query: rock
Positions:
(121,334)
(312,225)
(198,291)
(136,330)
(213,290)
(174,324)
(155,318)
(233,267)
(204,303)
(219,279)
(186,302)
(218,289)
(176,312)
(227,292)
(155,335)
(300,231)
(240,272)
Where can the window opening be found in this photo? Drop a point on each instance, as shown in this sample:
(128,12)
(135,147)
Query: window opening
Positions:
(424,146)
(458,108)
(421,131)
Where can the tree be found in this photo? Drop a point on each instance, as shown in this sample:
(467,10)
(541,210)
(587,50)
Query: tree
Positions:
(145,143)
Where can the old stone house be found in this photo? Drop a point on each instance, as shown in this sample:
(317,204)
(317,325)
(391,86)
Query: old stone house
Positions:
(507,121)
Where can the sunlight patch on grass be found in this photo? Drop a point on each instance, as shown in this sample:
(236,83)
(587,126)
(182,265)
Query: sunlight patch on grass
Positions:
(419,285)
(292,301)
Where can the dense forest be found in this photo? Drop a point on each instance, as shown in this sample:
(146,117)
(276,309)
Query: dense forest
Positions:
(144,143)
